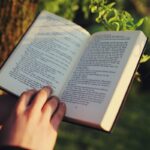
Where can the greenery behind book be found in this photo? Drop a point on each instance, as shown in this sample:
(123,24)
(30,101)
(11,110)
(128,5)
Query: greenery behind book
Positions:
(132,131)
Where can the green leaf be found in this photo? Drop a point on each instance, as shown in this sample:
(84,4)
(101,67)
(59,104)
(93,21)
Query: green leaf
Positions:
(111,5)
(145,58)
(117,26)
(140,22)
(93,9)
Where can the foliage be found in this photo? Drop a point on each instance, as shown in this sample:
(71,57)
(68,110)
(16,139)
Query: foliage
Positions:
(85,8)
(65,8)
(112,18)
(115,19)
(144,58)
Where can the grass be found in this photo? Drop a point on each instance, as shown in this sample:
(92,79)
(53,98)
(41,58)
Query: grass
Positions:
(132,130)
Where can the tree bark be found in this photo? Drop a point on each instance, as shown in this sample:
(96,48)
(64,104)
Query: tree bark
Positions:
(15,18)
(141,7)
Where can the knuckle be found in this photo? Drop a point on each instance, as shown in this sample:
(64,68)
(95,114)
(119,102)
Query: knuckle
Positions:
(59,116)
(54,102)
(32,114)
(17,111)
(24,94)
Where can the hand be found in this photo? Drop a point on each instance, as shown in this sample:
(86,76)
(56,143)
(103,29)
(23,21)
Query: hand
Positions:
(34,123)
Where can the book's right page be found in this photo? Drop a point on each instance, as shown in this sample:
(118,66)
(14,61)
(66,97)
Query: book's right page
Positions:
(98,85)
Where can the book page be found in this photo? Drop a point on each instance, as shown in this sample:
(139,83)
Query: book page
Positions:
(89,91)
(45,55)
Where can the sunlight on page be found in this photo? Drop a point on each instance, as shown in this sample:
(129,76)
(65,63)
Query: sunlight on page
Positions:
(45,55)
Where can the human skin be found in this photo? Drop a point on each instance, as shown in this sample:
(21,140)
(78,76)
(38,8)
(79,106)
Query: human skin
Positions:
(34,124)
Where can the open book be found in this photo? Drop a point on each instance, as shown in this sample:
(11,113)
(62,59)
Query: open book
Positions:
(90,73)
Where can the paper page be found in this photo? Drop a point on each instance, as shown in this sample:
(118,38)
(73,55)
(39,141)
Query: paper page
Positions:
(45,55)
(89,91)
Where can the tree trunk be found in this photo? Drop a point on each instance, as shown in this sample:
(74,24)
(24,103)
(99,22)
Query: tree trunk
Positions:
(15,18)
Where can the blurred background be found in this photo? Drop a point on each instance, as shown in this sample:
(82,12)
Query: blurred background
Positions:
(132,130)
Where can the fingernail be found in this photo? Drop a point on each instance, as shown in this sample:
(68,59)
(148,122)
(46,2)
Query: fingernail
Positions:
(48,88)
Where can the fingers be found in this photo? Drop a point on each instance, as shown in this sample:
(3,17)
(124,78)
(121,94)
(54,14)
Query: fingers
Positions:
(58,116)
(24,100)
(49,108)
(41,98)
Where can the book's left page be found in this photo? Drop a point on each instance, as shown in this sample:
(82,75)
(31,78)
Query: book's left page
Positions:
(45,55)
